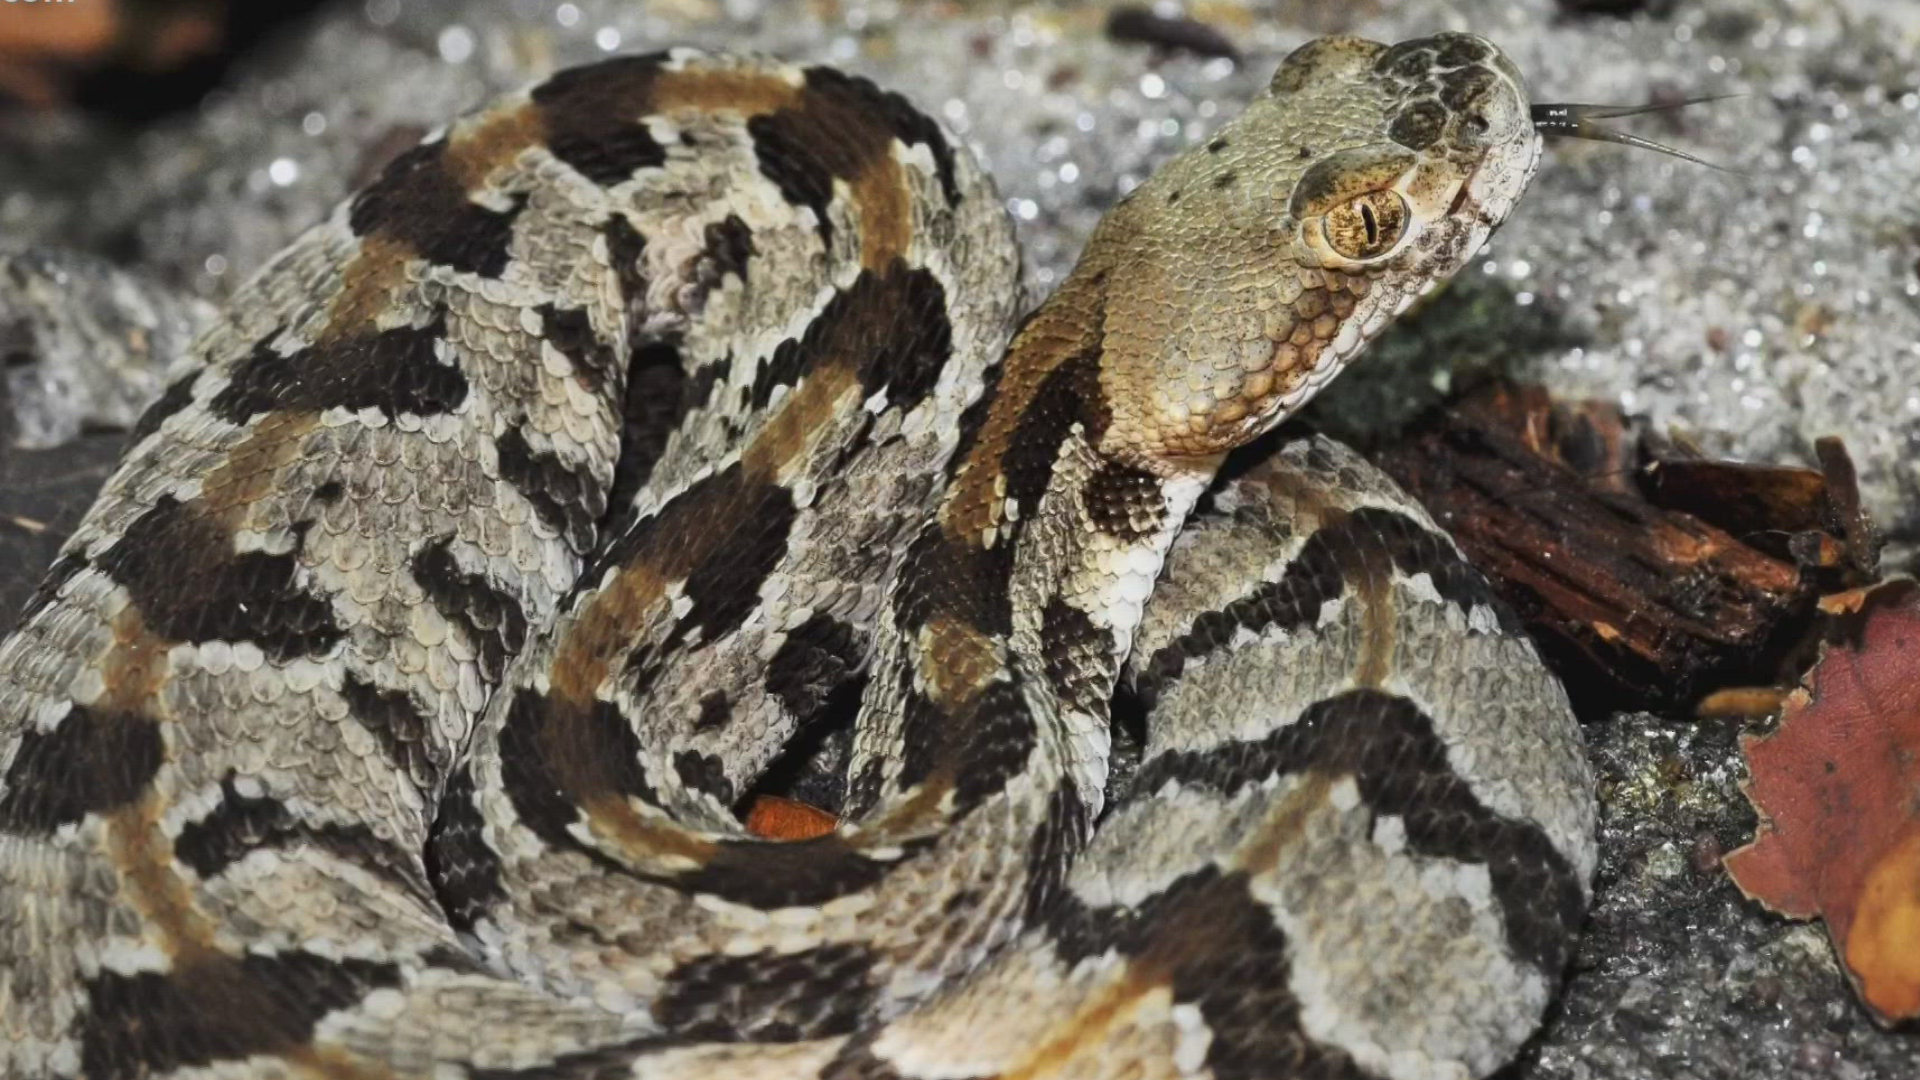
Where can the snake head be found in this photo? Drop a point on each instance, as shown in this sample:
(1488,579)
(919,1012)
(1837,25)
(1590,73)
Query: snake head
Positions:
(1250,270)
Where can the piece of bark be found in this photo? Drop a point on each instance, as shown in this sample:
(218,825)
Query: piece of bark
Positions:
(1637,603)
(1802,515)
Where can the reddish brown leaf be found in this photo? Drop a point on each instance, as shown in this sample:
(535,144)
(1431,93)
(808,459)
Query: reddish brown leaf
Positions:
(1838,791)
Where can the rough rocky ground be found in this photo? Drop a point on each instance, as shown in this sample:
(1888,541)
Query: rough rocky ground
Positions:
(1752,310)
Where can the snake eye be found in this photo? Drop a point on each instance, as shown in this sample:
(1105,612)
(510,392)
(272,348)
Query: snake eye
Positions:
(1366,226)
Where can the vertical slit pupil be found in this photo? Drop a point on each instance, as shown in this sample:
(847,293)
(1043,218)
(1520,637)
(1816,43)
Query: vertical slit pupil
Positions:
(1373,227)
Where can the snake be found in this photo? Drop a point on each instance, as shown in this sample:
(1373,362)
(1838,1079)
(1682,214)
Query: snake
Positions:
(391,711)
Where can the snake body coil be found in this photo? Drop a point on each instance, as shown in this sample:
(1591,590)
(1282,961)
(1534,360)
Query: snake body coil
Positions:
(387,713)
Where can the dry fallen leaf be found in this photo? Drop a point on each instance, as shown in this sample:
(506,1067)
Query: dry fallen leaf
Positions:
(1837,787)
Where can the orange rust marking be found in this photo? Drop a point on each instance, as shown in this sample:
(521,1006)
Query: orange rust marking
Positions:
(774,818)
(920,812)
(379,270)
(366,283)
(1285,824)
(589,647)
(744,92)
(610,815)
(333,1063)
(580,664)
(1068,326)
(1091,1023)
(472,155)
(886,224)
(135,665)
(784,440)
(144,858)
(246,474)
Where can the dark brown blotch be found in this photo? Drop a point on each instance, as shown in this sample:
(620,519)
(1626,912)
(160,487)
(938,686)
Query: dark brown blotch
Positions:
(568,496)
(1389,746)
(152,1023)
(69,565)
(177,396)
(770,874)
(769,996)
(626,250)
(491,618)
(241,824)
(980,745)
(1313,578)
(729,247)
(529,780)
(1407,60)
(1077,657)
(464,870)
(1217,947)
(1069,394)
(1229,958)
(1052,848)
(893,321)
(1417,549)
(1124,501)
(1460,90)
(816,657)
(396,371)
(593,117)
(839,127)
(418,202)
(974,418)
(951,576)
(404,733)
(715,712)
(737,529)
(90,762)
(1459,50)
(660,394)
(704,773)
(189,584)
(571,331)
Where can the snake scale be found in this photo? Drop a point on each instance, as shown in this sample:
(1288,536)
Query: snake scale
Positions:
(388,713)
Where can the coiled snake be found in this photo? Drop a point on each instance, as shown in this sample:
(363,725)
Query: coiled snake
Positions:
(387,714)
